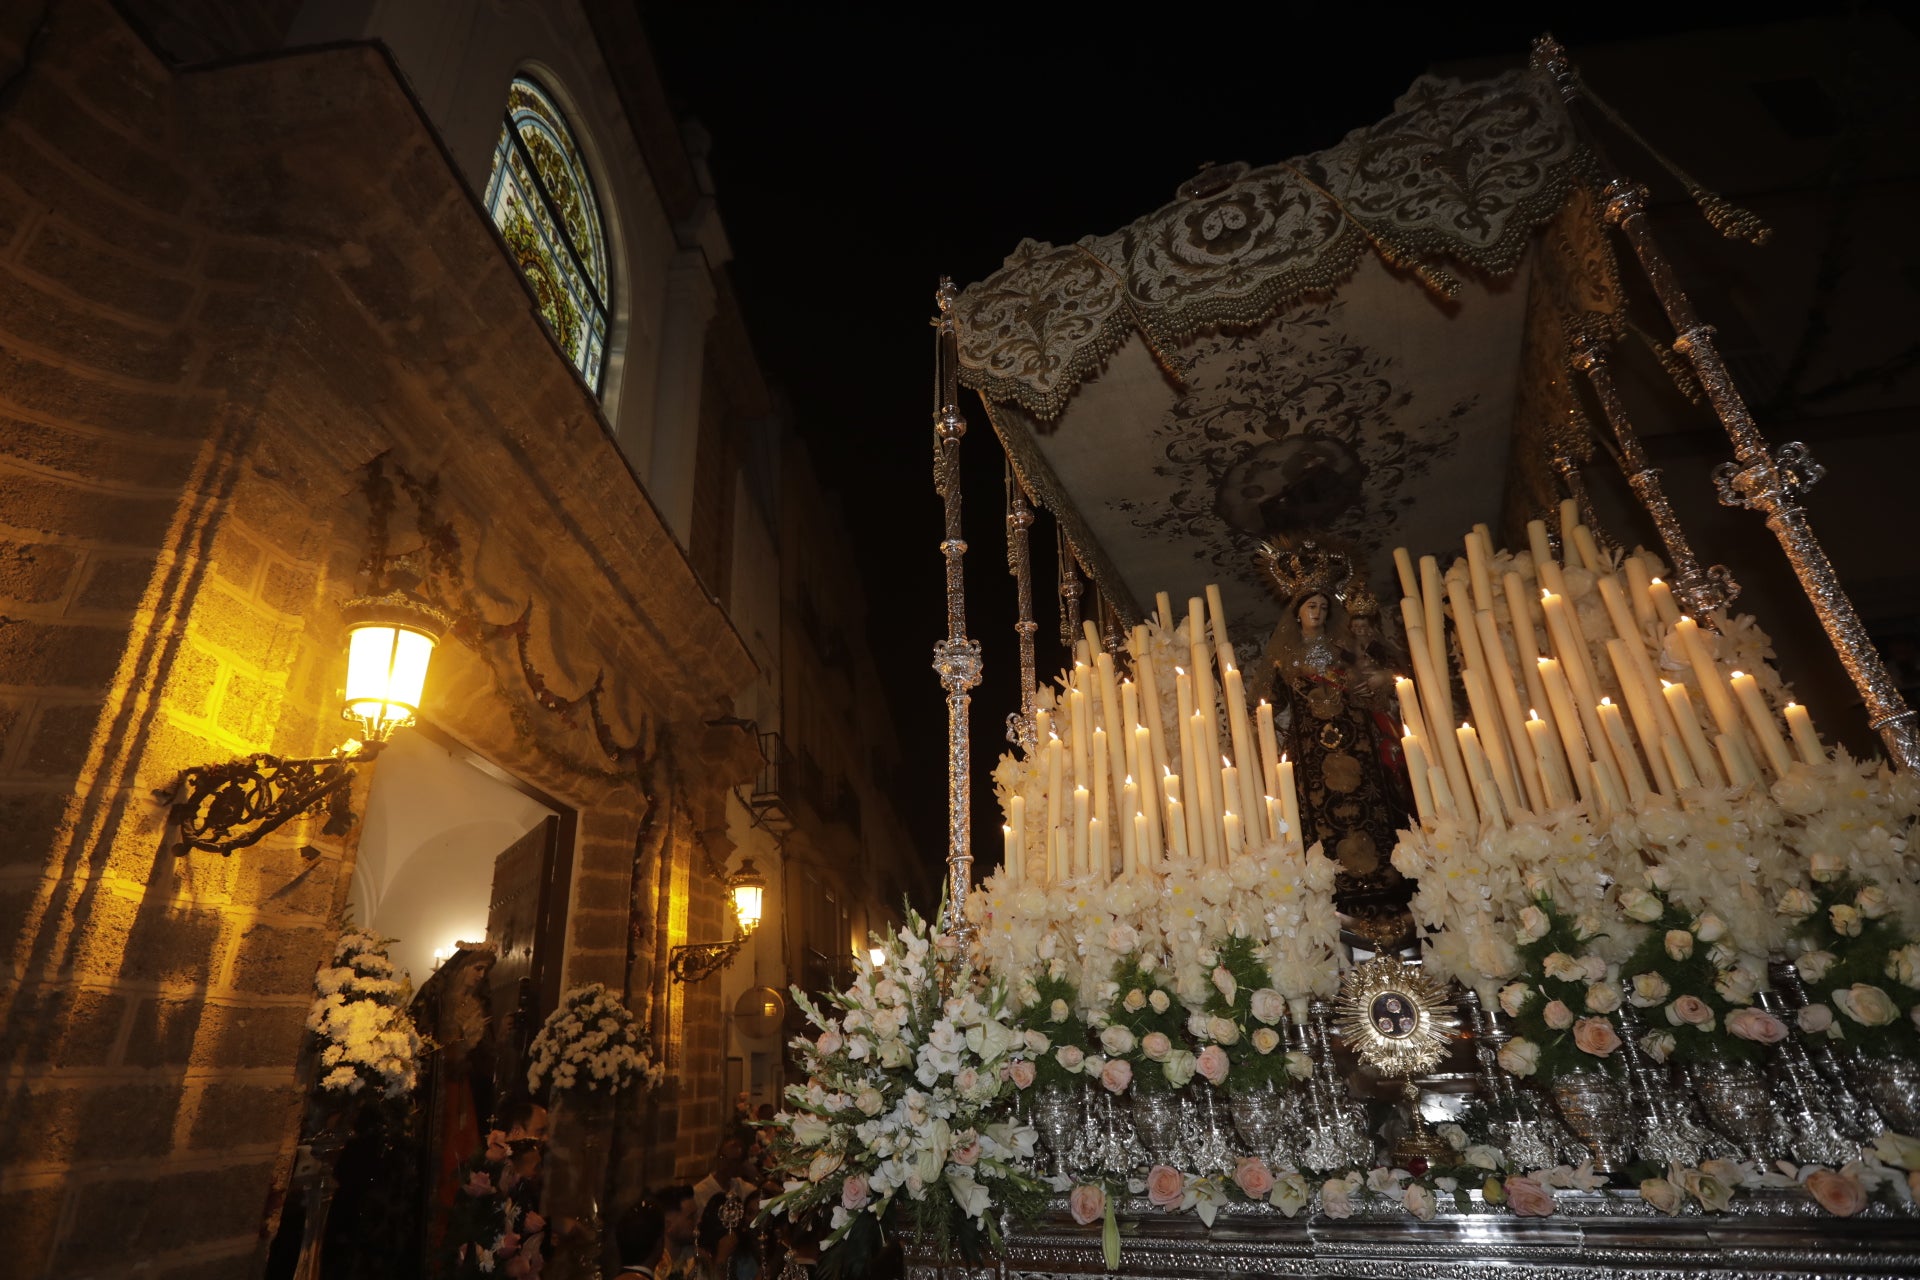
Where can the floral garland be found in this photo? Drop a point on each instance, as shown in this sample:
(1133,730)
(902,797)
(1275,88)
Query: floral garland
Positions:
(590,1043)
(359,1017)
(901,1104)
(496,1228)
(1860,962)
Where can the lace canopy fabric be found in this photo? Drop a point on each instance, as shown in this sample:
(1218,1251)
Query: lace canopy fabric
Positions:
(1459,173)
(1344,344)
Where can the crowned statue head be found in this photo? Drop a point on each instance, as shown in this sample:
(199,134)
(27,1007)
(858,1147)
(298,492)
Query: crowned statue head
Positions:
(1308,574)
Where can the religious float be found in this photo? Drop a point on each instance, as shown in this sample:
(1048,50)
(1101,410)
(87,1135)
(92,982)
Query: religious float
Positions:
(1527,923)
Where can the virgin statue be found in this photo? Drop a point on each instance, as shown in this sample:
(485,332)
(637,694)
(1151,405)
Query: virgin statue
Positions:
(1332,685)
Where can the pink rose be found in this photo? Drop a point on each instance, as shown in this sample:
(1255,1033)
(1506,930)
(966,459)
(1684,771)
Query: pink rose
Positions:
(1166,1186)
(497,1148)
(830,1042)
(508,1244)
(854,1192)
(1756,1025)
(1838,1194)
(1691,1010)
(1157,1046)
(968,1154)
(1212,1063)
(1595,1036)
(1087,1204)
(533,1222)
(1814,1019)
(1558,1016)
(1528,1198)
(478,1184)
(1253,1177)
(1116,1075)
(1020,1071)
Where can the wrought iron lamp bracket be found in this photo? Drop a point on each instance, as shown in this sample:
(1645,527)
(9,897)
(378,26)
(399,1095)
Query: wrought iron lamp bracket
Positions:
(697,961)
(237,803)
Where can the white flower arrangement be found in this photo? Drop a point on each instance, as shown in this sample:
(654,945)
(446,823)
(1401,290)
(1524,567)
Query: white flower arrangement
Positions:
(359,1015)
(900,1100)
(592,1043)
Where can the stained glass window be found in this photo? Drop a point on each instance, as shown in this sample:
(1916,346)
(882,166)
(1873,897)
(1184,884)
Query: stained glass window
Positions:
(542,200)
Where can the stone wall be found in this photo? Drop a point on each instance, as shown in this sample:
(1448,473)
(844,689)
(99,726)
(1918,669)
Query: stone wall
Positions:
(222,293)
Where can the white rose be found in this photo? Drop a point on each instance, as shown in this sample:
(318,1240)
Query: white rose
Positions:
(1037,1042)
(1058,1011)
(1223,1030)
(1520,1056)
(1649,989)
(1641,905)
(1268,1005)
(1709,927)
(1223,983)
(1514,997)
(1482,1156)
(1871,902)
(1159,1001)
(1117,1041)
(1070,1056)
(1796,904)
(1564,968)
(1533,925)
(1813,965)
(1603,997)
(1136,1000)
(1827,865)
(1867,1005)
(1679,944)
(1265,1039)
(1657,1044)
(1903,966)
(869,1101)
(1299,1064)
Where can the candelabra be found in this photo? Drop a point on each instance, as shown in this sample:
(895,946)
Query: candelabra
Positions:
(1759,478)
(956,658)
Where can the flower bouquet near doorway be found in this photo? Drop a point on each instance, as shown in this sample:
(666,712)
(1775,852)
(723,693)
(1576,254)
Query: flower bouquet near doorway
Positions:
(591,1043)
(359,1017)
(906,1106)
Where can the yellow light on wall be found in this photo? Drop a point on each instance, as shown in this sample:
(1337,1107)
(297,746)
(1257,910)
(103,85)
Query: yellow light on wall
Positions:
(749,895)
(390,644)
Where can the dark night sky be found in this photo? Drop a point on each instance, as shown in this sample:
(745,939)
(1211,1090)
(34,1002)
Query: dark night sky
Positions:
(860,156)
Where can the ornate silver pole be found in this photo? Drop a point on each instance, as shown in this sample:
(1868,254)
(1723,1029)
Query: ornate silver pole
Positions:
(1020,725)
(1701,590)
(1070,591)
(1760,477)
(956,658)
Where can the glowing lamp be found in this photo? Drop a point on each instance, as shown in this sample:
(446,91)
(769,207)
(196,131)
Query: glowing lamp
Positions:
(878,955)
(749,890)
(390,643)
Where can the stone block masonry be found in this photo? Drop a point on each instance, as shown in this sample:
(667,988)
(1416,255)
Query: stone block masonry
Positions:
(222,293)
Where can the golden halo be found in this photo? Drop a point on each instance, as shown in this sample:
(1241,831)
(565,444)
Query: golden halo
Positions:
(1394,1016)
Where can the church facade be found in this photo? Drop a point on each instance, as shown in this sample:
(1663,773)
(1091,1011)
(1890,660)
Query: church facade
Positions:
(293,296)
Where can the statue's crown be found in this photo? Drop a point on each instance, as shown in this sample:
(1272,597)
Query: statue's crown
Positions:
(1304,566)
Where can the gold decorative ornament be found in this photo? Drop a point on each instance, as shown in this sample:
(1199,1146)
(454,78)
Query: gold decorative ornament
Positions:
(1396,1018)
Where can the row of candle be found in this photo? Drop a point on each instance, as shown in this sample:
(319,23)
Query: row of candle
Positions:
(1098,812)
(1573,743)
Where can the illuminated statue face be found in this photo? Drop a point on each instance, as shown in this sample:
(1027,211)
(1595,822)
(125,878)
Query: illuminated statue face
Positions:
(1313,614)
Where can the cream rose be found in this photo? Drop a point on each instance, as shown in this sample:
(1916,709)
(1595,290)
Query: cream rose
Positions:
(1649,989)
(1533,925)
(1867,1005)
(1299,1064)
(1796,904)
(1155,1046)
(1116,1075)
(1290,1193)
(1564,967)
(1827,865)
(1514,997)
(1212,1064)
(1070,1056)
(1179,1068)
(823,1165)
(1136,1000)
(1903,966)
(1420,1203)
(1814,1019)
(1662,1195)
(1557,1015)
(1871,902)
(1223,1030)
(1658,1045)
(1058,1011)
(1845,920)
(1020,1071)
(1756,1025)
(1520,1056)
(1603,997)
(1836,1192)
(869,1101)
(1336,1198)
(1528,1199)
(1641,905)
(1117,1040)
(1709,927)
(1159,1000)
(1268,1005)
(1223,983)
(1265,1039)
(1813,965)
(1679,944)
(1037,1042)
(1087,1204)
(1165,1186)
(1595,1036)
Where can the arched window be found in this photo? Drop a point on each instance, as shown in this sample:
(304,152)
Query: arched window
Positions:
(542,200)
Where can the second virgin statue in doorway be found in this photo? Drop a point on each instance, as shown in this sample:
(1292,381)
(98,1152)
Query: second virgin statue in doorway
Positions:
(1331,673)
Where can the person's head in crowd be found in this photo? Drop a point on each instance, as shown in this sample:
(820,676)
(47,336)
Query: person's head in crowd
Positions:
(732,1158)
(683,1224)
(641,1236)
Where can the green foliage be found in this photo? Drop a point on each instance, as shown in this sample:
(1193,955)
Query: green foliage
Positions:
(1558,1052)
(1865,959)
(1138,985)
(1070,1030)
(1251,1069)
(1693,976)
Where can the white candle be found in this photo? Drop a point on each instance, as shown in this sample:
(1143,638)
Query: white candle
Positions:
(1082,718)
(1747,690)
(1507,696)
(1269,742)
(1148,856)
(1526,641)
(1677,763)
(1615,728)
(1289,803)
(1177,828)
(1417,774)
(1538,544)
(1805,740)
(1552,778)
(1439,711)
(1493,742)
(1235,840)
(1230,788)
(1569,517)
(1132,828)
(1479,571)
(1203,798)
(1409,581)
(1691,736)
(1410,716)
(1116,740)
(1150,806)
(1082,815)
(1276,825)
(1638,578)
(1102,863)
(1739,772)
(1664,606)
(1432,600)
(1706,674)
(1567,721)
(1248,799)
(1008,870)
(1589,550)
(1100,797)
(1164,606)
(1056,866)
(1017,846)
(1150,705)
(1484,789)
(1443,802)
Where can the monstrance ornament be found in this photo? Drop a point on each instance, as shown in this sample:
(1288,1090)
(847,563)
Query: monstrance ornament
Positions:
(1398,1020)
